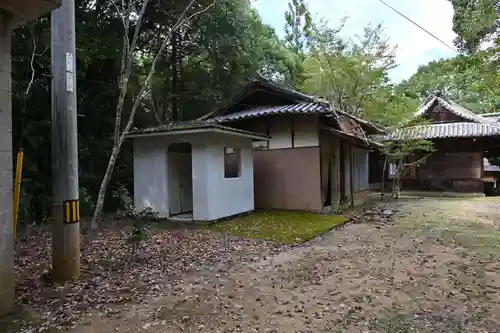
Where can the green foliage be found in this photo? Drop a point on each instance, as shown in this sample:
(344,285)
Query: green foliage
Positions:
(298,28)
(280,226)
(218,52)
(494,161)
(127,207)
(349,73)
(126,202)
(87,205)
(472,80)
(402,149)
(141,220)
(406,151)
(298,33)
(389,106)
(475,22)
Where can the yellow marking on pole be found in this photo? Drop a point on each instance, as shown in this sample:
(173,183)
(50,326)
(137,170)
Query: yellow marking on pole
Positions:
(17,189)
(68,214)
(73,210)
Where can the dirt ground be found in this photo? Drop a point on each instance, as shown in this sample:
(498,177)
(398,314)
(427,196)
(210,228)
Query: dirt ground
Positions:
(433,268)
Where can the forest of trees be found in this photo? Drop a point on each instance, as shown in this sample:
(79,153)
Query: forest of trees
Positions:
(207,60)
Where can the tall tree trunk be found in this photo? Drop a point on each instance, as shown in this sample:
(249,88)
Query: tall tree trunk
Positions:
(145,85)
(180,86)
(173,64)
(104,185)
(397,179)
(382,181)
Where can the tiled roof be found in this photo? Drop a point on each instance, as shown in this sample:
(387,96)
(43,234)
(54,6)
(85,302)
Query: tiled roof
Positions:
(184,126)
(262,82)
(371,127)
(451,107)
(301,108)
(493,116)
(297,94)
(350,126)
(446,130)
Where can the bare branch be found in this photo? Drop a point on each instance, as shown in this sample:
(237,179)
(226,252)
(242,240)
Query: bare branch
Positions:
(138,25)
(118,142)
(126,61)
(152,71)
(419,161)
(118,10)
(196,13)
(43,52)
(32,63)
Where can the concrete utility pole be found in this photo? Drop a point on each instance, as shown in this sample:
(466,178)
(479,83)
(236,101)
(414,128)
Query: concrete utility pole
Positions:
(65,204)
(6,226)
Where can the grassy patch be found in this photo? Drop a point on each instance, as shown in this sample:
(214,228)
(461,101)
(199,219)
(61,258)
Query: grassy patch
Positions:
(280,226)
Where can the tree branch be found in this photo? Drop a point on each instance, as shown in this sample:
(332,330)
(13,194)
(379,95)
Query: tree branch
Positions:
(32,63)
(124,73)
(117,147)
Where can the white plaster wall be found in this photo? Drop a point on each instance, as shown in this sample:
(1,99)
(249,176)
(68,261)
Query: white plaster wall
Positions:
(214,196)
(150,176)
(280,130)
(201,156)
(306,132)
(229,196)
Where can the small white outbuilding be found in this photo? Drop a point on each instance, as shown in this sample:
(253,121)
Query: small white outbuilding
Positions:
(194,171)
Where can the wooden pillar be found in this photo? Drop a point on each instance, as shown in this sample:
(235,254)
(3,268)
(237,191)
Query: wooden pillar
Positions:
(351,174)
(348,172)
(336,176)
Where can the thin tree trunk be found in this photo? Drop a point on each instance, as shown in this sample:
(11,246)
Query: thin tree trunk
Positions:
(173,64)
(397,179)
(117,147)
(382,181)
(126,62)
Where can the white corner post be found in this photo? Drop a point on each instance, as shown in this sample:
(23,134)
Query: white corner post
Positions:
(6,180)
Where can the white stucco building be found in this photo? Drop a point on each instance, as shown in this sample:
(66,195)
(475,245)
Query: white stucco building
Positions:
(305,155)
(197,172)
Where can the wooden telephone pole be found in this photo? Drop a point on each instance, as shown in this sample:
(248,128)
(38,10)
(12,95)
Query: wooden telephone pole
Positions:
(65,200)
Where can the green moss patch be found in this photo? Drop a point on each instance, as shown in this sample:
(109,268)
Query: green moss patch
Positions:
(283,227)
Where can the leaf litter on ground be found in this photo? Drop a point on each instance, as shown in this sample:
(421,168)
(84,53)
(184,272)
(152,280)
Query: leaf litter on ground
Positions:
(110,277)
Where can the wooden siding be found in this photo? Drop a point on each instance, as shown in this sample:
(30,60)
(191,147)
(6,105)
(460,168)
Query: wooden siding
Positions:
(448,171)
(439,114)
(285,131)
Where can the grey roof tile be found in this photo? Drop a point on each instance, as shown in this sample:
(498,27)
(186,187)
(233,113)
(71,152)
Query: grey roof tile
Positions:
(446,130)
(188,125)
(453,108)
(301,108)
